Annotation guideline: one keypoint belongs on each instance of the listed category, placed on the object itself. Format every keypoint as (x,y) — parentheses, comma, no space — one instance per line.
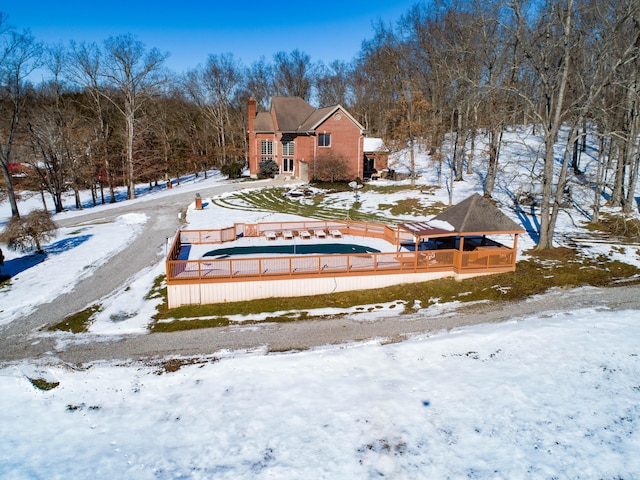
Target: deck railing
(229,234)
(482,259)
(222,270)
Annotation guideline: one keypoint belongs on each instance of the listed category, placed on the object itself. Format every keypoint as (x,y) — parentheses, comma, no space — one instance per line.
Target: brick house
(305,141)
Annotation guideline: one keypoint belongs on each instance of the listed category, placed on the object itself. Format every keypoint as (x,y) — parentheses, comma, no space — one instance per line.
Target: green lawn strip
(233,203)
(414,207)
(78,322)
(273,199)
(42,384)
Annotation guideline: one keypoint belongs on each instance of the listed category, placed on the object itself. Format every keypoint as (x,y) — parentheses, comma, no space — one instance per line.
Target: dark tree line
(446,74)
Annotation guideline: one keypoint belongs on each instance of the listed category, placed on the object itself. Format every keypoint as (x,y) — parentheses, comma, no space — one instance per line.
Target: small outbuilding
(475,227)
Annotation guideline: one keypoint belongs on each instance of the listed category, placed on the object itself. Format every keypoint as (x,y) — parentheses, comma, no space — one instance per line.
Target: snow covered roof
(430,229)
(373,144)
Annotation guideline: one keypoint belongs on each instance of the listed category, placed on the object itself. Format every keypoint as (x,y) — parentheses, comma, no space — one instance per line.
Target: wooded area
(447,73)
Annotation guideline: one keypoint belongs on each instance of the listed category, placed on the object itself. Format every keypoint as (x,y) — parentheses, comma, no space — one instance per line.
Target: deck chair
(287,235)
(336,233)
(304,234)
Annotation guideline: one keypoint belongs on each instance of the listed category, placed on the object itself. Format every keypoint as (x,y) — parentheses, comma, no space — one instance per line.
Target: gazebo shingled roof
(476,214)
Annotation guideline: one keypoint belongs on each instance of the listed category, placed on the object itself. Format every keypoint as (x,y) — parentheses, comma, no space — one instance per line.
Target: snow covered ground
(551,396)
(554,397)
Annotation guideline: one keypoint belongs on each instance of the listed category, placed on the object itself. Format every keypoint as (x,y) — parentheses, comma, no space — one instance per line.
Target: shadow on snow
(16,266)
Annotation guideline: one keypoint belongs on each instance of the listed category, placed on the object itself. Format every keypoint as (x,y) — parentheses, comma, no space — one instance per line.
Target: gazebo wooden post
(461,248)
(515,249)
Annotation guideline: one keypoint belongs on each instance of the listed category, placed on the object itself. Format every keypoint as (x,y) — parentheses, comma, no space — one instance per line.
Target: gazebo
(467,228)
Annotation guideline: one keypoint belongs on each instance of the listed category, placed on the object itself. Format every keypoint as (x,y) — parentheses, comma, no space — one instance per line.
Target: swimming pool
(304,249)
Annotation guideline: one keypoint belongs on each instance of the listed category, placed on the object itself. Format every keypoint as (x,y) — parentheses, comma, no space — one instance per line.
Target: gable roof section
(263,122)
(316,118)
(476,214)
(322,114)
(294,115)
(290,113)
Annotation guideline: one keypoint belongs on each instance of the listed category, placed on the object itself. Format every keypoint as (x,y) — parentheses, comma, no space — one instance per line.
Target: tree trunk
(10,192)
(562,177)
(131,180)
(554,110)
(495,137)
(618,181)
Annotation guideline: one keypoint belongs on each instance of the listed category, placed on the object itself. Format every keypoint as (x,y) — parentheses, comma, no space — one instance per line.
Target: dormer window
(324,139)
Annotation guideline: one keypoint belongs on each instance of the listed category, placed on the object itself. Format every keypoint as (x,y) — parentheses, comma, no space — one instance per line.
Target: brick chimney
(253,147)
(251,113)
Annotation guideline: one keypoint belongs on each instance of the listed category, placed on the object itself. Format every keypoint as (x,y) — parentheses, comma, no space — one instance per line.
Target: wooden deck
(492,259)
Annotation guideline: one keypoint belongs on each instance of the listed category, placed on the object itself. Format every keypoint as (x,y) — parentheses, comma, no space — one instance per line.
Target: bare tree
(132,75)
(332,168)
(83,68)
(292,74)
(20,54)
(259,79)
(212,89)
(547,44)
(332,84)
(31,231)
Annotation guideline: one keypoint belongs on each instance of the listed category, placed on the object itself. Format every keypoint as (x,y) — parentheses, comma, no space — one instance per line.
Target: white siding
(239,291)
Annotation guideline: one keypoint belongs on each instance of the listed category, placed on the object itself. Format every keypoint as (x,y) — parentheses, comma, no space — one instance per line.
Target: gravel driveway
(22,339)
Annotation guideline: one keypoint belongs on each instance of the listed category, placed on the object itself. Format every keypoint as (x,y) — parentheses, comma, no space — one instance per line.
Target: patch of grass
(617,225)
(193,323)
(42,384)
(274,200)
(78,322)
(333,186)
(158,289)
(175,364)
(413,206)
(387,189)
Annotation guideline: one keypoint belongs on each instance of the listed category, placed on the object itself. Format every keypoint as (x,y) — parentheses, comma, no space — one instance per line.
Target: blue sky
(191,30)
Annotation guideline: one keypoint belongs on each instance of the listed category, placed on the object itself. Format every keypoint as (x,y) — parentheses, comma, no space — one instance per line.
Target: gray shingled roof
(263,122)
(290,112)
(294,115)
(309,124)
(477,214)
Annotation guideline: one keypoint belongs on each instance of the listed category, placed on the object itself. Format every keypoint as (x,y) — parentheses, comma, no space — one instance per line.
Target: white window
(287,165)
(287,148)
(324,140)
(266,147)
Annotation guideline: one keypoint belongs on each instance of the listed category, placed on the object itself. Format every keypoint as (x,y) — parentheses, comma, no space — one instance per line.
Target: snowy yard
(555,395)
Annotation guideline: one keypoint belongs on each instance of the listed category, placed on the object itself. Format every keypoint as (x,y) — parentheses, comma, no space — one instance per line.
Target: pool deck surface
(197,252)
